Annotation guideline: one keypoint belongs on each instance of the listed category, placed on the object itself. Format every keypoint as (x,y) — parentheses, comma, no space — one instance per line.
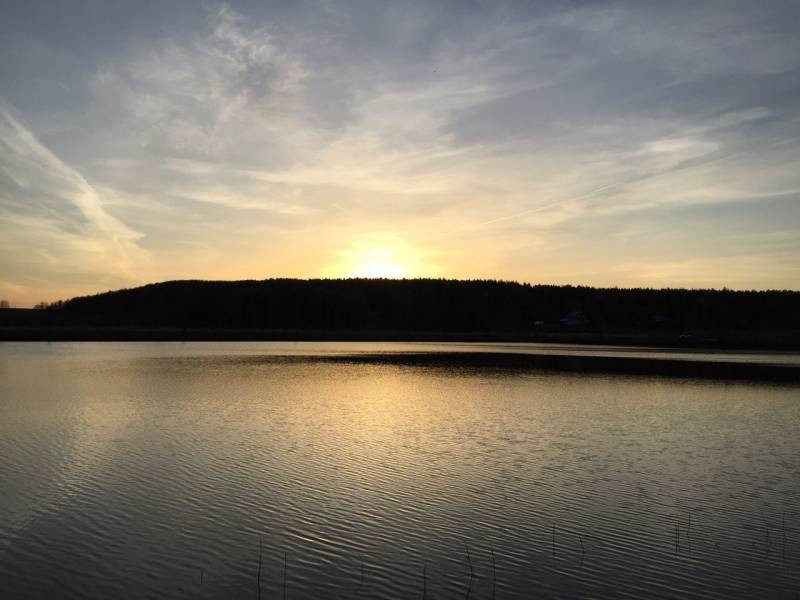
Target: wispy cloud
(54,222)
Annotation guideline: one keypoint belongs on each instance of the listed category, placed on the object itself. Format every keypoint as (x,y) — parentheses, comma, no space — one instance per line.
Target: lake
(345,470)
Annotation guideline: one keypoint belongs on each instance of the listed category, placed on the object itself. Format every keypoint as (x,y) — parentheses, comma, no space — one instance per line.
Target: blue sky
(599,143)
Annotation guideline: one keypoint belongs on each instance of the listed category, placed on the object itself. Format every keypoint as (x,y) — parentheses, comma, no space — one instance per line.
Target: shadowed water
(153,471)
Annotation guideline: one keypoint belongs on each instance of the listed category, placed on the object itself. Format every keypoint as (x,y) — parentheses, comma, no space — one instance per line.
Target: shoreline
(485,359)
(751,340)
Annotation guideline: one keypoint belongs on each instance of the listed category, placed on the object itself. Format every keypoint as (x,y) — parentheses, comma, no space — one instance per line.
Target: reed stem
(469,561)
(494,566)
(258,576)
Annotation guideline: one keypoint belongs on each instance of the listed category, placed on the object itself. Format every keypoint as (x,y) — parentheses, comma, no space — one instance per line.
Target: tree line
(436,305)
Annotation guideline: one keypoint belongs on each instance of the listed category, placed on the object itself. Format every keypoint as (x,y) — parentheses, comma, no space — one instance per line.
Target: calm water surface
(155,470)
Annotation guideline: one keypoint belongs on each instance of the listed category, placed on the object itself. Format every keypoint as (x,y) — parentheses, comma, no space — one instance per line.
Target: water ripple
(131,474)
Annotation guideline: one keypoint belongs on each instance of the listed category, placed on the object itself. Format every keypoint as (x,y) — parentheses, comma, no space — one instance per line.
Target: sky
(597,143)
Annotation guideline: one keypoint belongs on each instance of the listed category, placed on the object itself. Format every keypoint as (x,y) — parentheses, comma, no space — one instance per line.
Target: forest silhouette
(424,305)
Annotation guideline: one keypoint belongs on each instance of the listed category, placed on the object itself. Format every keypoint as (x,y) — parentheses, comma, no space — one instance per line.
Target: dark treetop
(429,305)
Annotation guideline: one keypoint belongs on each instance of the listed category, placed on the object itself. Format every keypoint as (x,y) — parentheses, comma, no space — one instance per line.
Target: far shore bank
(750,340)
(557,357)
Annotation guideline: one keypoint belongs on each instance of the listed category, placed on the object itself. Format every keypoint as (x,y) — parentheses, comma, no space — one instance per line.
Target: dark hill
(430,305)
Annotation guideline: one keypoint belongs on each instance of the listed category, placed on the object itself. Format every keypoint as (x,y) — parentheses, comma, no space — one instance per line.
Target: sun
(379,262)
(383,257)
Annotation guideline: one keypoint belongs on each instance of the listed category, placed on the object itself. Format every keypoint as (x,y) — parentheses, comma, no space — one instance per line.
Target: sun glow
(383,257)
(379,262)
